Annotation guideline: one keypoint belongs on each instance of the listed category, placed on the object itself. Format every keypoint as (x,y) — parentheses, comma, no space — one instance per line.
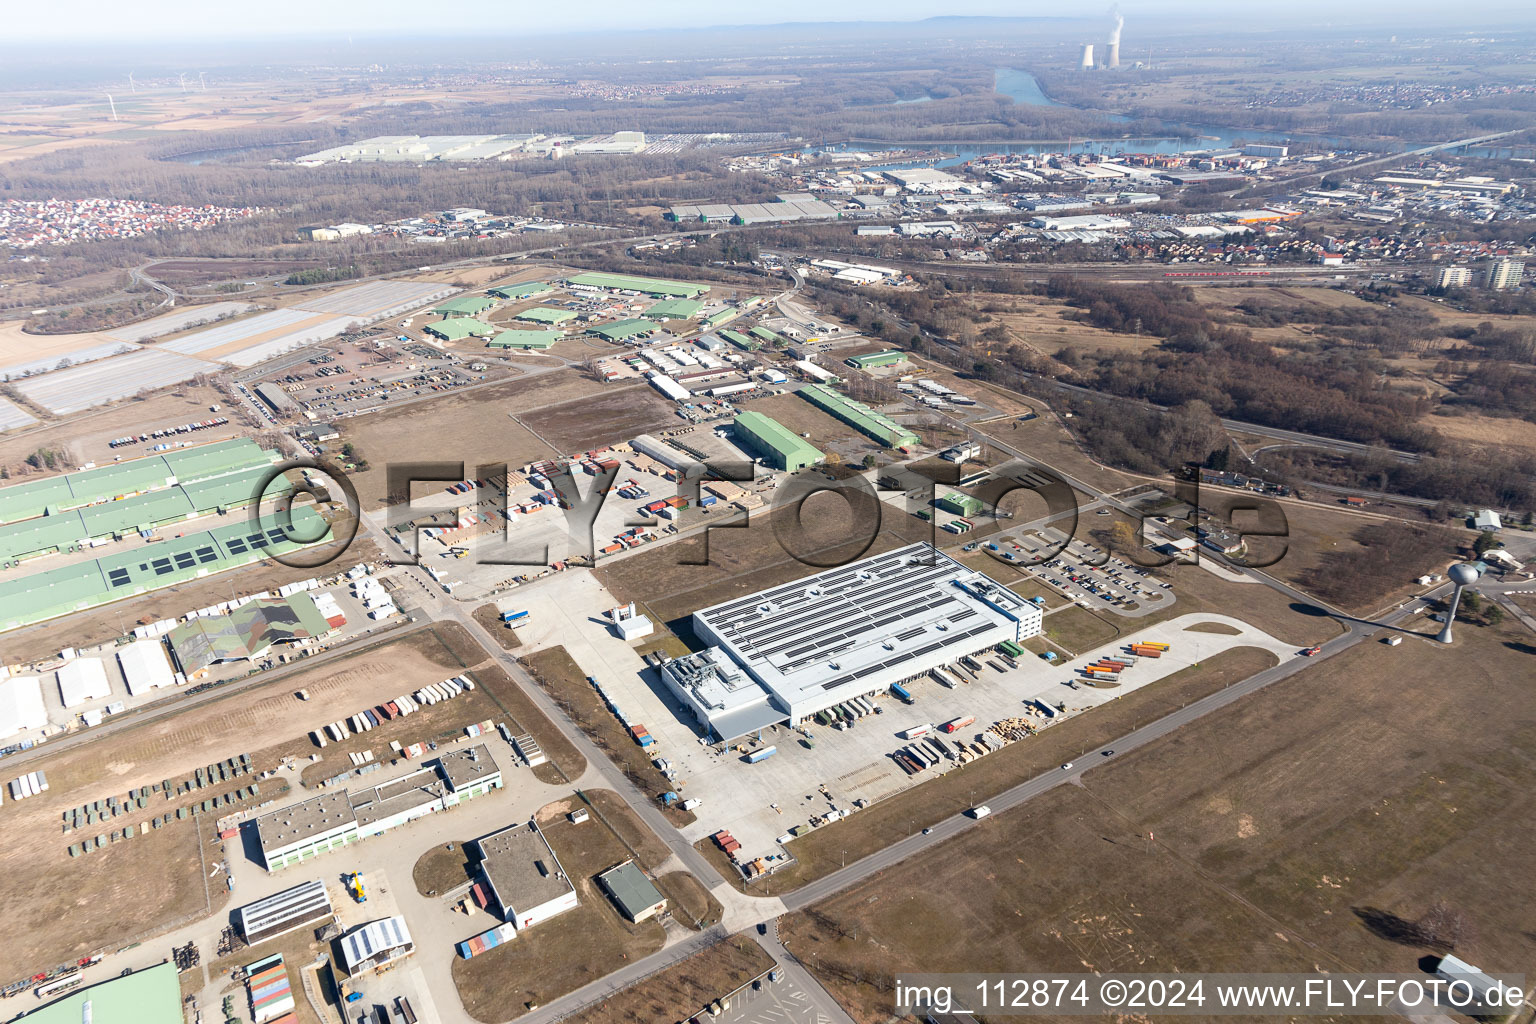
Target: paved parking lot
(780,1002)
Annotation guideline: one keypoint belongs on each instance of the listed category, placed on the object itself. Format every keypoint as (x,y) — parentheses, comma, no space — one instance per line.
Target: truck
(915,731)
(980,811)
(514,617)
(761,755)
(900,693)
(956,724)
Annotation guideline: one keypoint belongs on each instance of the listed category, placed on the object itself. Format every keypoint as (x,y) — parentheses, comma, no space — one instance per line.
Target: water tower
(1461,574)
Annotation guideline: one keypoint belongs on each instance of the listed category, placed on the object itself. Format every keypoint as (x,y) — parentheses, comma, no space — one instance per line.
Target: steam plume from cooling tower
(1112,58)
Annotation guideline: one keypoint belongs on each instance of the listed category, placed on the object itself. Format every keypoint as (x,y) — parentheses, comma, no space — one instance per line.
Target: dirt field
(83,437)
(686,988)
(476,428)
(566,952)
(617,414)
(1265,857)
(488,616)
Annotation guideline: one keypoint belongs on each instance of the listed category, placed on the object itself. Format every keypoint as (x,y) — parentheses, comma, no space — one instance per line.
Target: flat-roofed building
(303,905)
(376,945)
(295,833)
(523,876)
(332,820)
(636,896)
(844,633)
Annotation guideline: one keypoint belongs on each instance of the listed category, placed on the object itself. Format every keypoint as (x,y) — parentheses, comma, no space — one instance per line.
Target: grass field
(1292,830)
(568,951)
(683,989)
(1079,630)
(825,849)
(441,868)
(488,616)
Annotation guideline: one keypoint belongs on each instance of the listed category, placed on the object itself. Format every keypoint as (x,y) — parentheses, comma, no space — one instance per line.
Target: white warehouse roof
(859,628)
(373,938)
(145,666)
(81,680)
(21,705)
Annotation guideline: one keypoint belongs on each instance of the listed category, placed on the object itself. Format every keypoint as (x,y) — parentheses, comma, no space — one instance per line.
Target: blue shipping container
(900,691)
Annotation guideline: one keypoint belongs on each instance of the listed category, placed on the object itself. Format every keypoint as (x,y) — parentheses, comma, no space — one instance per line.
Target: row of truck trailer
(1108,669)
(28,785)
(369,719)
(842,716)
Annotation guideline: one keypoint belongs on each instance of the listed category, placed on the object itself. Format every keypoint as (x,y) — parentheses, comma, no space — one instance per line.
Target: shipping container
(900,693)
(761,755)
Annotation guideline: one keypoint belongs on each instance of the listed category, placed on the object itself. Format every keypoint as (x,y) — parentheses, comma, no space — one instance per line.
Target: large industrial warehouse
(785,654)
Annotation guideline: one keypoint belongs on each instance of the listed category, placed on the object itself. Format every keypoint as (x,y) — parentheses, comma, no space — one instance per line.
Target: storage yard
(174,748)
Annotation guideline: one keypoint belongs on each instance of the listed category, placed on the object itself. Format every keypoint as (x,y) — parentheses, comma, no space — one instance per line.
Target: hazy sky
(64,20)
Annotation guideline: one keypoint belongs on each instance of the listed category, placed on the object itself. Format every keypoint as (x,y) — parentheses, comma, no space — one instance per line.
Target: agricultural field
(618,413)
(722,968)
(1263,859)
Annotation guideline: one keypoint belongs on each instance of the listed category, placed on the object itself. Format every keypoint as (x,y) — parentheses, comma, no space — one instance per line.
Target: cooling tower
(1087,61)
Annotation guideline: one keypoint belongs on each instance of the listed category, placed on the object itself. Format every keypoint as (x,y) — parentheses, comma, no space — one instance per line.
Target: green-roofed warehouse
(135,476)
(960,504)
(859,416)
(151,996)
(64,530)
(781,447)
(526,290)
(725,316)
(771,337)
(464,305)
(623,330)
(674,309)
(890,357)
(546,315)
(644,285)
(81,585)
(526,339)
(458,328)
(741,341)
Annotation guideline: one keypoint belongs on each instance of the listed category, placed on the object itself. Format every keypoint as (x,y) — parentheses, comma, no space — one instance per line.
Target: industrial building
(82,680)
(651,286)
(304,905)
(246,633)
(782,655)
(332,820)
(150,996)
(636,896)
(526,339)
(545,315)
(624,330)
(779,446)
(527,290)
(464,305)
(674,309)
(859,416)
(522,876)
(1087,222)
(375,946)
(21,705)
(891,357)
(457,328)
